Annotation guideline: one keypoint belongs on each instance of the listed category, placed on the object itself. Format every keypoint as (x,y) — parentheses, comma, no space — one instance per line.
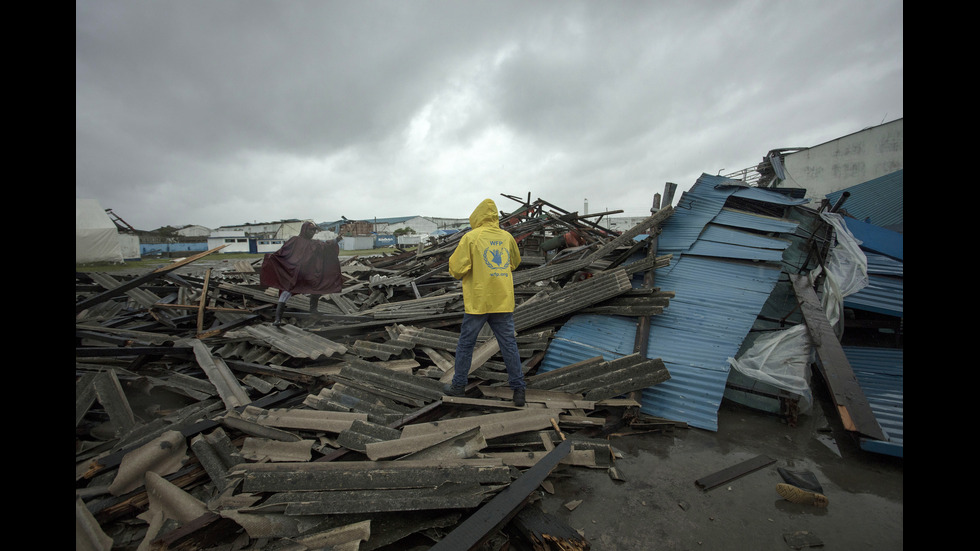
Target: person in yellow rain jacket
(484,259)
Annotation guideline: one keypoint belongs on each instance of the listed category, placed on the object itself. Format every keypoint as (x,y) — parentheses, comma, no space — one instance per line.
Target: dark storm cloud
(220,112)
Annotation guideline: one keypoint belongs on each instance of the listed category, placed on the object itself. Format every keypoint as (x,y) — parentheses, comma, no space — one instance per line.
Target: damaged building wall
(846,161)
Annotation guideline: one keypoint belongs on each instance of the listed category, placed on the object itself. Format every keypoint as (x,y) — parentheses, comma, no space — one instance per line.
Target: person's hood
(308,225)
(485,214)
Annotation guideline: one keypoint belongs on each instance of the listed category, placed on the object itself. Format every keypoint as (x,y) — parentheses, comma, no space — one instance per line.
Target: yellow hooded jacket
(484,260)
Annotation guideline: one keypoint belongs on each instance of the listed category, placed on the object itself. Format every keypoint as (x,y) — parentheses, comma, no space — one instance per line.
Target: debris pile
(199,424)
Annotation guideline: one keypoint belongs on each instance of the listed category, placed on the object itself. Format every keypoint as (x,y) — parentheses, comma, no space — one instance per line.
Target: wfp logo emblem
(496,259)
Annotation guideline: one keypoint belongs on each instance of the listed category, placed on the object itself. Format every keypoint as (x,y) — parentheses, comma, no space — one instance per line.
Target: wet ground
(659,506)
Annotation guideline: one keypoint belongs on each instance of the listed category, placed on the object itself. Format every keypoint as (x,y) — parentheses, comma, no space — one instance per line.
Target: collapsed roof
(615,329)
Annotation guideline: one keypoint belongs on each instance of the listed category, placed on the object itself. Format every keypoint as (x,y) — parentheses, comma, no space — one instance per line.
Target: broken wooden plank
(137,281)
(523,460)
(852,405)
(450,495)
(546,531)
(204,301)
(361,475)
(733,472)
(476,529)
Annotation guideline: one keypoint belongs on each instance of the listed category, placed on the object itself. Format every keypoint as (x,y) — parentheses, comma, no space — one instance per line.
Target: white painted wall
(194,231)
(268,245)
(235,243)
(420,224)
(357,243)
(846,161)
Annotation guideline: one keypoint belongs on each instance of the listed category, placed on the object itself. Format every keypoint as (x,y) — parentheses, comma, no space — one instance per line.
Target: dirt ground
(659,506)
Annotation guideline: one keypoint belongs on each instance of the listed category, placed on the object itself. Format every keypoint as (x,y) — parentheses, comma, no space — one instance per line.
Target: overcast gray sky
(232,111)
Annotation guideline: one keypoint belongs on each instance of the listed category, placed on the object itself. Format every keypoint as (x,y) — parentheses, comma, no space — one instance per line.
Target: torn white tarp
(781,359)
(846,270)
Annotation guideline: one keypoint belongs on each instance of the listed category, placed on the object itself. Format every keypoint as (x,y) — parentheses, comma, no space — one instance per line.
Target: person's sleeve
(460,262)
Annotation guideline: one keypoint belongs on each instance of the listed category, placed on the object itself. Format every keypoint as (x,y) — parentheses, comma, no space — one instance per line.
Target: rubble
(332,430)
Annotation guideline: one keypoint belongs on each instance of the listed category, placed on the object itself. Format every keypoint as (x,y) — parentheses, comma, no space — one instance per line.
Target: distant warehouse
(236,241)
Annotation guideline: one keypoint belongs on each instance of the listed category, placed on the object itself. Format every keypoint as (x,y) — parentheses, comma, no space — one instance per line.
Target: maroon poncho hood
(303,266)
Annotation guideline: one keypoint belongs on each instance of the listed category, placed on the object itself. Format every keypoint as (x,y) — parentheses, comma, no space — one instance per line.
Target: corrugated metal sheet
(291,340)
(728,250)
(878,201)
(715,305)
(880,372)
(764,195)
(695,210)
(716,302)
(728,217)
(877,239)
(721,234)
(572,297)
(885,291)
(884,295)
(882,265)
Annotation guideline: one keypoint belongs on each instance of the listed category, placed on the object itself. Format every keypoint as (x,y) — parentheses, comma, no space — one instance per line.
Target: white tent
(96,236)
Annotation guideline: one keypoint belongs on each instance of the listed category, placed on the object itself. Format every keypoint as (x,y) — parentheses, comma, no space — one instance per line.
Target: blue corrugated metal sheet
(721,234)
(880,372)
(883,265)
(696,208)
(717,299)
(750,221)
(766,196)
(883,295)
(877,239)
(878,201)
(728,250)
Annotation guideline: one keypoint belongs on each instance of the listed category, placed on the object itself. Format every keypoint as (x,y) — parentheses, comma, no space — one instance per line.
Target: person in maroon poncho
(303,266)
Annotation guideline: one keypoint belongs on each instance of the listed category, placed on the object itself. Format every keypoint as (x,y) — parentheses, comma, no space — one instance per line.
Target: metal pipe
(840,201)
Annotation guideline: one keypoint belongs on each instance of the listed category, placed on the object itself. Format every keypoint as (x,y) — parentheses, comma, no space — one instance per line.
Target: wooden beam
(845,390)
(733,472)
(203,303)
(137,281)
(485,522)
(548,531)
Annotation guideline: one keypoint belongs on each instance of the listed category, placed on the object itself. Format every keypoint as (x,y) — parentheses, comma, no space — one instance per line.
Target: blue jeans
(502,325)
